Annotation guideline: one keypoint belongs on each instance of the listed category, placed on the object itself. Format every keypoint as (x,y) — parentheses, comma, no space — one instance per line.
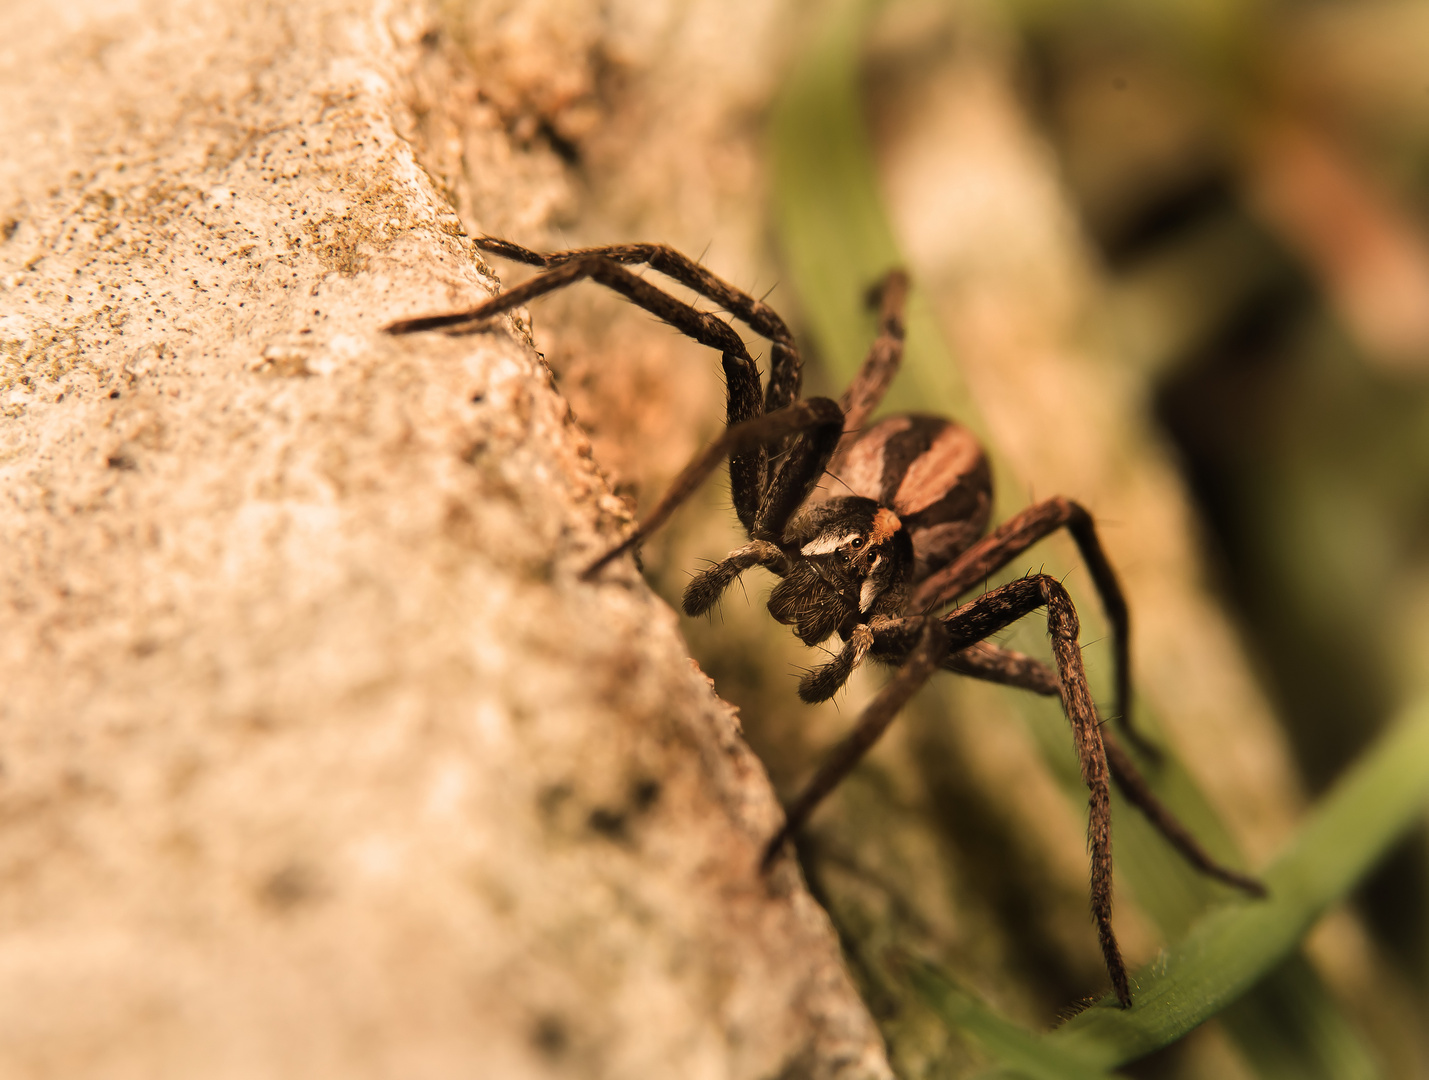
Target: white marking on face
(827,543)
(869,593)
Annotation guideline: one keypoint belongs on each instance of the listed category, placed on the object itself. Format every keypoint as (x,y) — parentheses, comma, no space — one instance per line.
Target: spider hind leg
(925,644)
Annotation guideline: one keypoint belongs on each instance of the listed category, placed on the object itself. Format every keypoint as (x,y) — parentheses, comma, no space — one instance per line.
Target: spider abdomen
(932,473)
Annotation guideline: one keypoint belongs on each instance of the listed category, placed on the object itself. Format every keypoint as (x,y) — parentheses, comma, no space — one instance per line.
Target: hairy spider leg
(996,665)
(785,372)
(972,623)
(1138,792)
(1016,535)
(748,461)
(993,664)
(817,418)
(884,358)
(811,428)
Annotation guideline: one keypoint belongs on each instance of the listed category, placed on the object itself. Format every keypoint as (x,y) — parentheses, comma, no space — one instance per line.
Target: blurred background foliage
(1172,260)
(1255,178)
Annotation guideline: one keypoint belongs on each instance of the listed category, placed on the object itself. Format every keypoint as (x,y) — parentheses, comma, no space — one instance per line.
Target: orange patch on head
(885,524)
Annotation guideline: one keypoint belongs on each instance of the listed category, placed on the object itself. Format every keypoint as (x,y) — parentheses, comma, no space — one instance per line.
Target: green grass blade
(844,241)
(835,237)
(1237,946)
(1015,1049)
(1233,948)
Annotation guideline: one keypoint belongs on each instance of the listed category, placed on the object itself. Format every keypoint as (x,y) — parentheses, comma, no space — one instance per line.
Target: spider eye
(856,543)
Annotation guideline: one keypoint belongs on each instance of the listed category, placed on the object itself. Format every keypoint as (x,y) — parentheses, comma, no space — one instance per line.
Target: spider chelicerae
(877,557)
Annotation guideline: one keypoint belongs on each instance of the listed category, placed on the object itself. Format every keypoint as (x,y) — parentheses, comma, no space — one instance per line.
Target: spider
(878,563)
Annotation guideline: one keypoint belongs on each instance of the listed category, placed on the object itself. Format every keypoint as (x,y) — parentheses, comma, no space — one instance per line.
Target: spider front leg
(924,651)
(814,425)
(785,365)
(996,609)
(1015,536)
(748,460)
(805,433)
(748,433)
(994,664)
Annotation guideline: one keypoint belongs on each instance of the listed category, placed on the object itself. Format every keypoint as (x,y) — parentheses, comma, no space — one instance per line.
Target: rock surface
(318,758)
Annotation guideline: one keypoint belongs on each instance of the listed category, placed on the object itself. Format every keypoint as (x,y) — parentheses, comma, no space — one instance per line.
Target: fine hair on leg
(1137,792)
(980,618)
(807,415)
(755,314)
(1016,535)
(699,325)
(866,390)
(993,664)
(785,372)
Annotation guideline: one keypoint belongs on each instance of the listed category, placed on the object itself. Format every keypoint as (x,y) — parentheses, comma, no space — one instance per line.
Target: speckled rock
(318,757)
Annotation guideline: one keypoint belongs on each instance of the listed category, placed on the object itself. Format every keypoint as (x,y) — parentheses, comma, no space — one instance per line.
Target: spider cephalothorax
(851,562)
(880,555)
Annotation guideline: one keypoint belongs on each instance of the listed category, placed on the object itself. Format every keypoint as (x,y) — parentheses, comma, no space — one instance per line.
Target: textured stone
(319,760)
